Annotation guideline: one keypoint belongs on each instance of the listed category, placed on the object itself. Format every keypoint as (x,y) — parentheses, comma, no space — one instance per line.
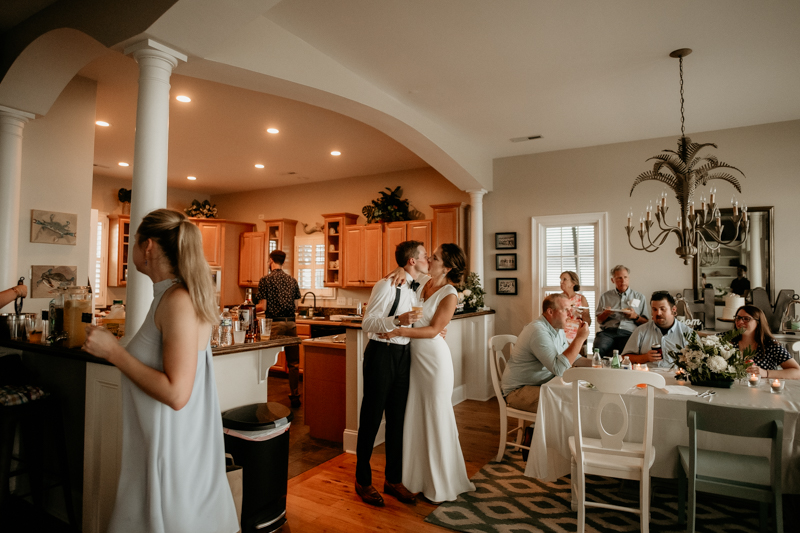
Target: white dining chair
(498,364)
(611,455)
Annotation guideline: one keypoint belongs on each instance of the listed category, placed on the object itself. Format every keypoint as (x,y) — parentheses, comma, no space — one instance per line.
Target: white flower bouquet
(471,294)
(713,358)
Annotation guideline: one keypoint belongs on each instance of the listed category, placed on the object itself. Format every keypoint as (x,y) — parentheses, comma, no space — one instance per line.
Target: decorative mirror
(719,268)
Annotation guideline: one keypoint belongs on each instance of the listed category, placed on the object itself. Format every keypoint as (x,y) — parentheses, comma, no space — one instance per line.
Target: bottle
(597,361)
(225,328)
(626,363)
(615,359)
(247,317)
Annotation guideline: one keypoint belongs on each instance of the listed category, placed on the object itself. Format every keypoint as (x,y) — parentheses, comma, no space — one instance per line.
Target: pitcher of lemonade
(77,314)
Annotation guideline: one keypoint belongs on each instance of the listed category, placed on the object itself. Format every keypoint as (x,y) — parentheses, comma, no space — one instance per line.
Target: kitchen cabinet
(221,240)
(252,258)
(119,227)
(334,255)
(304,332)
(325,388)
(449,225)
(397,232)
(363,255)
(280,235)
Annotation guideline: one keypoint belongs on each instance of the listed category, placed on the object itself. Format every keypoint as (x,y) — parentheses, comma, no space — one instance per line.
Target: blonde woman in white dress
(433,463)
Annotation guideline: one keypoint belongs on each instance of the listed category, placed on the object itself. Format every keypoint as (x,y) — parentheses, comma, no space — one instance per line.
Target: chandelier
(697,230)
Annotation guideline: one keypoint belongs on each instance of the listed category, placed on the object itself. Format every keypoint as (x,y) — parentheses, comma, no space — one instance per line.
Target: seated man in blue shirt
(663,330)
(541,353)
(619,311)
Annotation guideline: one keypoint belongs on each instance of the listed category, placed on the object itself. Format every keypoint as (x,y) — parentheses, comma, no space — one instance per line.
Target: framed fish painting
(49,227)
(45,278)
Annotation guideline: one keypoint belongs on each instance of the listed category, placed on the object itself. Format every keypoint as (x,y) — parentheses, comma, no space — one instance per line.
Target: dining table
(550,457)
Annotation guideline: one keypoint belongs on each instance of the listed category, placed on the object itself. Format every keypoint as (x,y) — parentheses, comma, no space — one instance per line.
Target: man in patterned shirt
(276,295)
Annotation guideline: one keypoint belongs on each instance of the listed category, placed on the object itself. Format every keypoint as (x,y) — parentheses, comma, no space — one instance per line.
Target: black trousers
(386,371)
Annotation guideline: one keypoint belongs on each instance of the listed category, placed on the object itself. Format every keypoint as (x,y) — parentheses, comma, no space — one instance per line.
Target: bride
(433,463)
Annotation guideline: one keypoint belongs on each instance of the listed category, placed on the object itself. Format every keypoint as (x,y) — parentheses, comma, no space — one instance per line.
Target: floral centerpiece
(713,360)
(201,210)
(470,294)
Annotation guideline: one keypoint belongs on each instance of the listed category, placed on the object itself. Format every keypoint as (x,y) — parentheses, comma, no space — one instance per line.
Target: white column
(11,123)
(149,187)
(476,233)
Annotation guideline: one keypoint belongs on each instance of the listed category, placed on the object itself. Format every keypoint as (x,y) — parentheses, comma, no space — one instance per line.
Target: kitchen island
(89,393)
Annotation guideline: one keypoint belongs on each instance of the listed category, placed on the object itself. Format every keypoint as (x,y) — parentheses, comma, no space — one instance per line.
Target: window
(570,242)
(310,266)
(98,257)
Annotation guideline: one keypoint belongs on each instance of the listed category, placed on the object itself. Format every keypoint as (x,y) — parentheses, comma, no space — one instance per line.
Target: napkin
(679,389)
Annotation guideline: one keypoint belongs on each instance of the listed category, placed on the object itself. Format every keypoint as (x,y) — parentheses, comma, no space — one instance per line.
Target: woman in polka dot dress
(771,358)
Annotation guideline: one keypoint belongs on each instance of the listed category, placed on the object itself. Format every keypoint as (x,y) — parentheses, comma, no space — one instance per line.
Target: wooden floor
(323,499)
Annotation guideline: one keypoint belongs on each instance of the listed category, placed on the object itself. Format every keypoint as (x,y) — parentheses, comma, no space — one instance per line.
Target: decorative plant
(388,208)
(713,358)
(124,195)
(471,293)
(201,210)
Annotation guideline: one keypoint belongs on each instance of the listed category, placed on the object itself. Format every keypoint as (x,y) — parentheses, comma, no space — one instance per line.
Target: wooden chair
(611,455)
(742,476)
(498,364)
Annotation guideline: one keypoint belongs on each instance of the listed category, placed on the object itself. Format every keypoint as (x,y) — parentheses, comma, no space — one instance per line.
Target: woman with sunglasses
(772,359)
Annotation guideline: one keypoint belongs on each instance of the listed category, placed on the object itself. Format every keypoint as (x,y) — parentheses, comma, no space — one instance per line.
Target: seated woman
(772,359)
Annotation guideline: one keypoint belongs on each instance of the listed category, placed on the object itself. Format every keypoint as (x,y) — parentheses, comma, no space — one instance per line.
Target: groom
(386,370)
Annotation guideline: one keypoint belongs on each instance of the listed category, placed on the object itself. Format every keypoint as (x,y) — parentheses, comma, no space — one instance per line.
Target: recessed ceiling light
(336,152)
(123,164)
(183,98)
(102,123)
(259,165)
(191,178)
(272,130)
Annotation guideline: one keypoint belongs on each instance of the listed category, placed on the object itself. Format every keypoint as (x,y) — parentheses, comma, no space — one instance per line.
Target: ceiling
(577,73)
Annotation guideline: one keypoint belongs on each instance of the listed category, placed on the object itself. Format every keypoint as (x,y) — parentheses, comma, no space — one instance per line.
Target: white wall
(57,157)
(599,179)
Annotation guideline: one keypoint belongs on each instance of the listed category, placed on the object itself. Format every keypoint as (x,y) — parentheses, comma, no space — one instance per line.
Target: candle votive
(753,380)
(776,386)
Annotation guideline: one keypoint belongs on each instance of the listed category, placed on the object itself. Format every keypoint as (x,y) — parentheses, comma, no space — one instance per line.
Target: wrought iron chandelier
(698,230)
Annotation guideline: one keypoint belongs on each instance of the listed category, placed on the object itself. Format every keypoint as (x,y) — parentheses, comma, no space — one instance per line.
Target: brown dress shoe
(370,495)
(399,491)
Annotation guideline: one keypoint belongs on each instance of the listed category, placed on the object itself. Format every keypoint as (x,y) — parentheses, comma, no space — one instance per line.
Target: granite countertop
(249,347)
(350,324)
(330,341)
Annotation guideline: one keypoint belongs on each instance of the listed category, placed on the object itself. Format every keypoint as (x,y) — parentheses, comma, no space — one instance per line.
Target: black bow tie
(414,285)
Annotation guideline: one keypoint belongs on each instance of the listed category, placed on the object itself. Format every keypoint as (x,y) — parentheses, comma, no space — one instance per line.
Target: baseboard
(459,394)
(350,438)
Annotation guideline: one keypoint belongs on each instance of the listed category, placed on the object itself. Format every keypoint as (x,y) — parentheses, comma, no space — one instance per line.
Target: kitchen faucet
(303,299)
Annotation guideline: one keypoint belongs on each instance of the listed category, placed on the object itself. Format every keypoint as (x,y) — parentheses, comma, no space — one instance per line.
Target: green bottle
(615,360)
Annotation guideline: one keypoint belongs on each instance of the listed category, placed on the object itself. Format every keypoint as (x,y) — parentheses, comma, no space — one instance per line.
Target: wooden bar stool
(34,410)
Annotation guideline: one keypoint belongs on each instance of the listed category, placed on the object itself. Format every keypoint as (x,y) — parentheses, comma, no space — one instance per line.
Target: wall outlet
(260,217)
(341,300)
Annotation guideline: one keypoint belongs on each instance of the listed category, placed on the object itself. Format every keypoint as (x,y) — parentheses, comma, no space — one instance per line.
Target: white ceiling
(578,73)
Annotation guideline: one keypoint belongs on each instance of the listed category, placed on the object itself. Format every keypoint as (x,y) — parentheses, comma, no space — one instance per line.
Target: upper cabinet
(363,246)
(255,247)
(212,240)
(334,256)
(449,224)
(119,227)
(397,232)
(280,235)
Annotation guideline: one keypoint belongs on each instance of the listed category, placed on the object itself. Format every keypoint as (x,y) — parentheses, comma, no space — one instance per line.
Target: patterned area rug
(505,501)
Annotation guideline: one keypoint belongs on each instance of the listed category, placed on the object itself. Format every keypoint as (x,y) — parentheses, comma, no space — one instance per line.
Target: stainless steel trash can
(257,436)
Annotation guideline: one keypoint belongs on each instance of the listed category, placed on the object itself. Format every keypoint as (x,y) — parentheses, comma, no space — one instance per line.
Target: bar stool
(33,409)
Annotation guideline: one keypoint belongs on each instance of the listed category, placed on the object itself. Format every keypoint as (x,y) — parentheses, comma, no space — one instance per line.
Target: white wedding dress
(433,463)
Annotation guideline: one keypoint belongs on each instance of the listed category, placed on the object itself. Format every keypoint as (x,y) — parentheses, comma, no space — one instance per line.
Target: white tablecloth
(550,457)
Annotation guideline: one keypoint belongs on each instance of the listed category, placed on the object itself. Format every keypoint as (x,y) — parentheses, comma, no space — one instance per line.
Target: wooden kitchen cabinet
(252,258)
(221,239)
(119,227)
(304,332)
(397,232)
(363,255)
(280,234)
(449,222)
(334,241)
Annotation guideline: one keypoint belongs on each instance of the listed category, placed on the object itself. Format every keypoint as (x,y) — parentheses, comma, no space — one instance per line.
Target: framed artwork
(505,241)
(506,261)
(507,286)
(50,227)
(44,278)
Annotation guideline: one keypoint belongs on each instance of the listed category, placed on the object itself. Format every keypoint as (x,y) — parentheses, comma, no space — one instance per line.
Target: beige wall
(599,178)
(57,157)
(105,200)
(307,203)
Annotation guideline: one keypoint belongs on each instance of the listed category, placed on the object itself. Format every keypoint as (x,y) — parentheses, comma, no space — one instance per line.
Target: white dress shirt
(377,319)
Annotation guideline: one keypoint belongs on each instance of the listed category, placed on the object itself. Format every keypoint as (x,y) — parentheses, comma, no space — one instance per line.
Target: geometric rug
(506,501)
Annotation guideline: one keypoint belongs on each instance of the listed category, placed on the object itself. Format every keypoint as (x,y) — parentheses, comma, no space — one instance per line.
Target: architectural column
(476,233)
(149,187)
(11,123)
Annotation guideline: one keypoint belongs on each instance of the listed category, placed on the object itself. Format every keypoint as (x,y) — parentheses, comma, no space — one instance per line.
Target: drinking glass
(264,328)
(238,337)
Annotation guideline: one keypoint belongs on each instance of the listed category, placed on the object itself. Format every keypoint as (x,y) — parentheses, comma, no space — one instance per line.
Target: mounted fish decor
(49,227)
